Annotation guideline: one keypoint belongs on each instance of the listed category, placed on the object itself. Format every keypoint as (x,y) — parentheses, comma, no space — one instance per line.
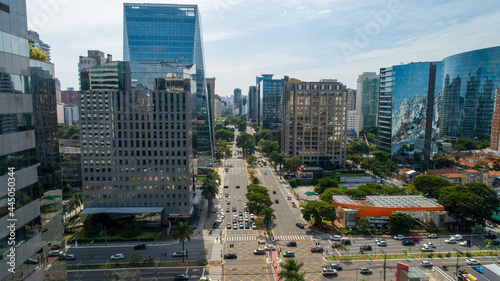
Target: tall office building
(71,114)
(495,124)
(244,104)
(406,122)
(85,63)
(34,38)
(367,100)
(70,97)
(28,156)
(136,128)
(315,122)
(352,115)
(237,102)
(253,105)
(218,107)
(271,92)
(211,104)
(470,81)
(173,35)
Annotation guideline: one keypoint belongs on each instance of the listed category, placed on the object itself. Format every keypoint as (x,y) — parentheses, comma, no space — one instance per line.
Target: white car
(399,237)
(382,243)
(117,256)
(426,249)
(463,243)
(252,216)
(432,235)
(270,248)
(427,264)
(456,237)
(336,237)
(450,241)
(430,245)
(329,271)
(472,262)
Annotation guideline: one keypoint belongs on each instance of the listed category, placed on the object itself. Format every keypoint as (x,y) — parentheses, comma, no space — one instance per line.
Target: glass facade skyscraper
(271,91)
(466,106)
(171,33)
(367,100)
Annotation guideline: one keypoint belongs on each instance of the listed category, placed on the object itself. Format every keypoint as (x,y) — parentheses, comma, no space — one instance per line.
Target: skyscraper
(271,91)
(495,124)
(470,81)
(367,100)
(253,105)
(29,156)
(237,102)
(93,58)
(34,38)
(171,33)
(406,122)
(315,122)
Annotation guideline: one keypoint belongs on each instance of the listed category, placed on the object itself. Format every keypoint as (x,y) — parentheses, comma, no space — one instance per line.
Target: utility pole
(457,264)
(385,260)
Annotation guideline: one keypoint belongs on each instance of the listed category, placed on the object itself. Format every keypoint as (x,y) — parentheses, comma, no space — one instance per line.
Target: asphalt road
(145,273)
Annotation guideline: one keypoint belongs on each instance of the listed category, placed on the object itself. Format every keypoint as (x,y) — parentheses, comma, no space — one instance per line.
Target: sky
(304,39)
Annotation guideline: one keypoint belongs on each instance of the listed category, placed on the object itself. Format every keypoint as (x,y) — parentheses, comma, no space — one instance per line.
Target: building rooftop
(441,171)
(453,175)
(472,171)
(390,201)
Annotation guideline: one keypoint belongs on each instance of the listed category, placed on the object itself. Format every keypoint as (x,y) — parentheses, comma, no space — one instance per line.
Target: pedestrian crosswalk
(278,237)
(292,237)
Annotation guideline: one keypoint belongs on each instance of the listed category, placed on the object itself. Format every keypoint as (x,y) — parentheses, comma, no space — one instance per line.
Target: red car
(337,244)
(414,239)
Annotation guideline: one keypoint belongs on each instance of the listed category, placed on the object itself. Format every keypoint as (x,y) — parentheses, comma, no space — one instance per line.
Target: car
(230,256)
(67,257)
(31,261)
(291,244)
(379,239)
(345,241)
(247,225)
(429,245)
(399,237)
(215,225)
(234,209)
(365,270)
(252,216)
(490,235)
(227,195)
(489,224)
(328,271)
(254,226)
(426,264)
(227,210)
(235,226)
(317,250)
(242,225)
(450,241)
(426,249)
(432,235)
(270,248)
(335,266)
(246,219)
(117,256)
(407,243)
(182,277)
(288,254)
(274,191)
(265,173)
(463,243)
(225,186)
(496,242)
(414,239)
(336,244)
(336,237)
(228,202)
(228,225)
(179,254)
(473,262)
(456,237)
(277,201)
(365,248)
(219,220)
(237,186)
(140,247)
(240,219)
(55,253)
(300,225)
(259,252)
(241,213)
(382,243)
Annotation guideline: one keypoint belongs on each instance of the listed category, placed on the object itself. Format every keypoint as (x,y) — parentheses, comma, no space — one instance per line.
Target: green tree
(269,216)
(246,142)
(278,159)
(182,232)
(429,185)
(444,162)
(257,202)
(327,194)
(269,146)
(401,223)
(210,188)
(319,211)
(358,147)
(289,269)
(242,125)
(251,160)
(136,257)
(291,164)
(324,183)
(363,224)
(37,54)
(223,134)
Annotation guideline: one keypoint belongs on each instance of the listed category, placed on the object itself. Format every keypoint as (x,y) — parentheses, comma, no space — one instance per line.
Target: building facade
(34,39)
(142,43)
(406,110)
(315,122)
(85,63)
(367,100)
(469,83)
(237,102)
(28,155)
(253,105)
(136,139)
(70,97)
(71,115)
(495,124)
(271,91)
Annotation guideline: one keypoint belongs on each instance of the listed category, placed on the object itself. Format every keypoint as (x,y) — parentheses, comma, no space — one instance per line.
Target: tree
(444,162)
(289,268)
(242,125)
(324,183)
(182,232)
(37,54)
(257,202)
(269,146)
(251,159)
(223,134)
(210,187)
(246,142)
(269,215)
(136,257)
(357,147)
(277,158)
(430,185)
(401,223)
(363,224)
(327,194)
(291,164)
(319,211)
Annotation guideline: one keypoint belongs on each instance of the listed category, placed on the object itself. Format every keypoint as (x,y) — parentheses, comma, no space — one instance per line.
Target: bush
(439,255)
(448,255)
(202,262)
(468,254)
(113,231)
(300,182)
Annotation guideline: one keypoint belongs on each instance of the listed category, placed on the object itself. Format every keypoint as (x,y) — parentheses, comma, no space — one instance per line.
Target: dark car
(274,191)
(227,195)
(277,201)
(288,254)
(317,250)
(247,225)
(366,248)
(299,225)
(230,256)
(140,247)
(291,244)
(407,243)
(490,235)
(335,266)
(496,242)
(237,186)
(181,277)
(225,186)
(345,241)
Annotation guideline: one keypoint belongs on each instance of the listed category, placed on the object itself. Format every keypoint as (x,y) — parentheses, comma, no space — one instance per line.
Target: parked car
(473,262)
(67,257)
(259,251)
(432,235)
(230,256)
(399,237)
(291,244)
(228,225)
(55,253)
(225,186)
(407,243)
(328,271)
(335,237)
(300,225)
(227,195)
(365,270)
(288,254)
(117,256)
(179,254)
(365,248)
(427,264)
(450,241)
(274,191)
(490,235)
(247,225)
(335,266)
(254,226)
(317,250)
(181,277)
(426,249)
(237,186)
(140,247)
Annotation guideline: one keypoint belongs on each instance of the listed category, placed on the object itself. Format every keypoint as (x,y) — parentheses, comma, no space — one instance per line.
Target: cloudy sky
(304,39)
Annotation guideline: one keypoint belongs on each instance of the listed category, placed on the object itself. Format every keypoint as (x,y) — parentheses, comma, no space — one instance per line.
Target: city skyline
(340,39)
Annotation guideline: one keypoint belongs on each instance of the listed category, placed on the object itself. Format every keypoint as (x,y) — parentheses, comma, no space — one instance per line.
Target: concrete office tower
(71,115)
(211,104)
(181,43)
(253,105)
(28,155)
(34,39)
(315,122)
(495,124)
(218,107)
(136,128)
(469,83)
(406,122)
(70,97)
(237,102)
(244,104)
(351,99)
(352,116)
(93,58)
(367,100)
(271,92)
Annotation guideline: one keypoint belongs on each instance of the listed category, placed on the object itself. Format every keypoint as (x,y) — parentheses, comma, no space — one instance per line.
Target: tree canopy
(429,185)
(246,142)
(291,164)
(223,134)
(380,164)
(358,147)
(324,183)
(401,223)
(319,211)
(326,195)
(37,54)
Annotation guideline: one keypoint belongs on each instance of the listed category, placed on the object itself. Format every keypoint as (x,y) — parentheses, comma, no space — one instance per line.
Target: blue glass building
(271,91)
(171,33)
(466,106)
(406,103)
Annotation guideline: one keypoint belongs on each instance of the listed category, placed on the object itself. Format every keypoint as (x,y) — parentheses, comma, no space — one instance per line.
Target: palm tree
(209,190)
(290,269)
(268,215)
(182,232)
(295,276)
